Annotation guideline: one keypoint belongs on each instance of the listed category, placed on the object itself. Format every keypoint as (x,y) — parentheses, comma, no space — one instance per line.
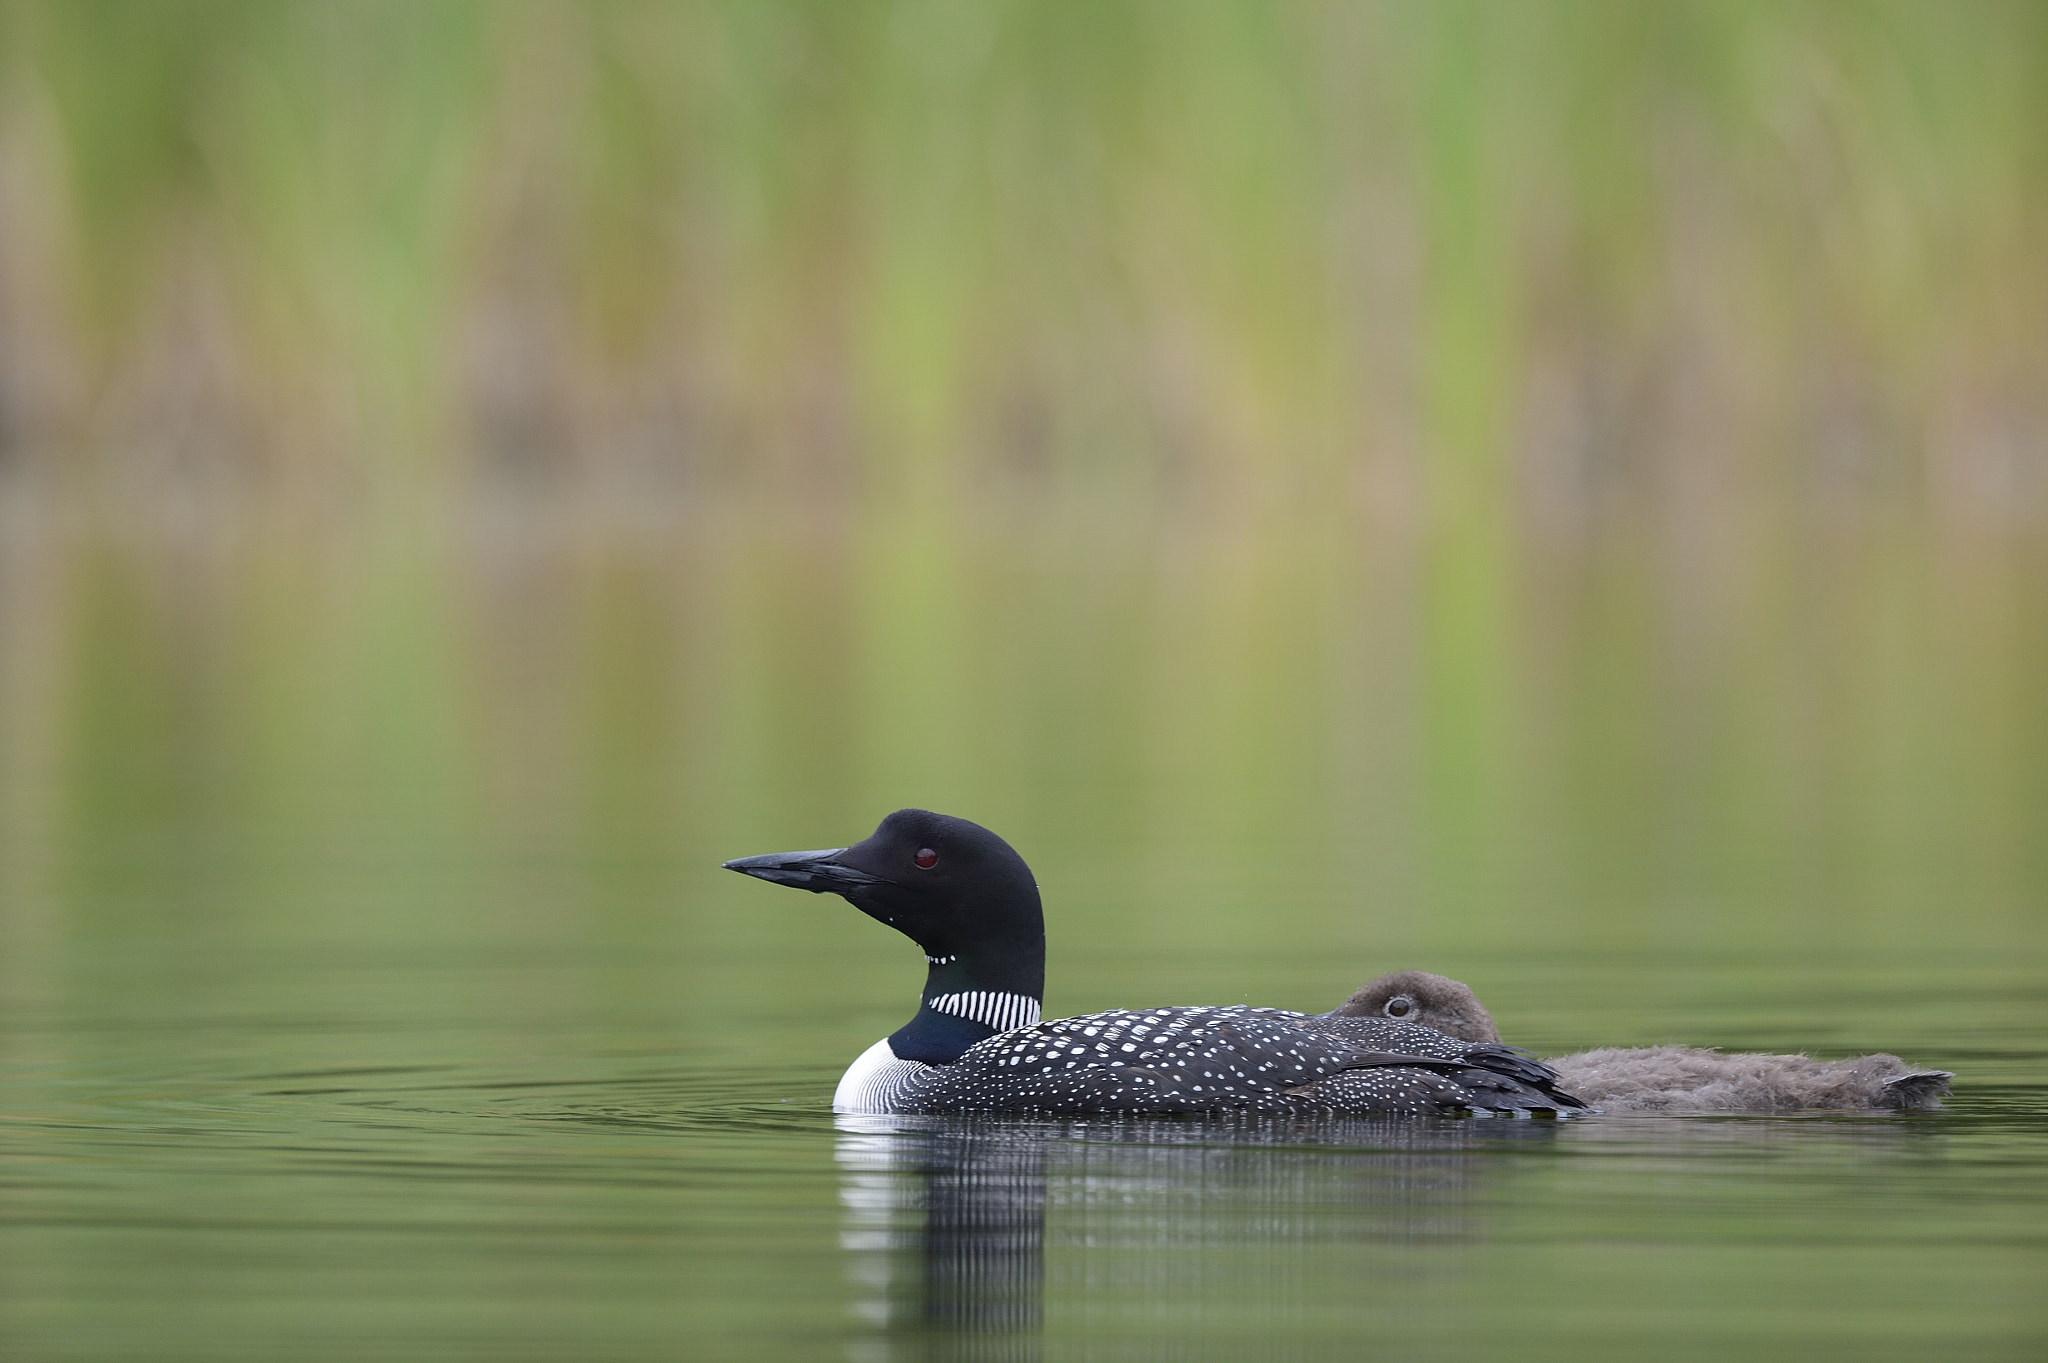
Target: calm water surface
(368,987)
(464,1157)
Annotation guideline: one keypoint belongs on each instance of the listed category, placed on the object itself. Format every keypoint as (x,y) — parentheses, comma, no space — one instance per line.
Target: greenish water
(368,986)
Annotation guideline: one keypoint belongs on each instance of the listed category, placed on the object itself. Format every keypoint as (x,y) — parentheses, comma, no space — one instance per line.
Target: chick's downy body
(1666,1079)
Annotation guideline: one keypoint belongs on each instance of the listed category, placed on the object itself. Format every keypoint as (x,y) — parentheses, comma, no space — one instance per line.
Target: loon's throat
(1013,963)
(1002,993)
(959,1008)
(993,1009)
(984,969)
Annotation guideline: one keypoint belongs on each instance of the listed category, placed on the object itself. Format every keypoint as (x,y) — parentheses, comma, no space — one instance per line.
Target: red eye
(926,858)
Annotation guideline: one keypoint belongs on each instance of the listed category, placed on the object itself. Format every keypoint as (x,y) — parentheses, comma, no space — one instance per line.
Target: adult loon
(977,1043)
(1666,1079)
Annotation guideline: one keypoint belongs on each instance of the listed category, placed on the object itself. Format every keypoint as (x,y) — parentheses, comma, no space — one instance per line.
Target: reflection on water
(1015,1239)
(946,1218)
(945,1231)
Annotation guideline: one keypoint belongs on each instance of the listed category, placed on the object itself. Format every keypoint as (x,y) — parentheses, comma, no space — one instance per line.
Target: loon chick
(1665,1078)
(977,1043)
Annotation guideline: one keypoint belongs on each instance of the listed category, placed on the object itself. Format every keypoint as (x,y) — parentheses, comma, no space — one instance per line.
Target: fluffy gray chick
(1665,1079)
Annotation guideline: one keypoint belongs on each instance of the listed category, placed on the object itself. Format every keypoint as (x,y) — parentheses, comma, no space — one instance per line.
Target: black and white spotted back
(1243,1059)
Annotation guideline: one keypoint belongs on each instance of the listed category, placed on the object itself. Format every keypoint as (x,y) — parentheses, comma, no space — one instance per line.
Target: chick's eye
(1399,1006)
(926,858)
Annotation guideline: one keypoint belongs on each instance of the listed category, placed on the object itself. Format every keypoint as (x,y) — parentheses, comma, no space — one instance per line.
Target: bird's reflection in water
(946,1218)
(945,1229)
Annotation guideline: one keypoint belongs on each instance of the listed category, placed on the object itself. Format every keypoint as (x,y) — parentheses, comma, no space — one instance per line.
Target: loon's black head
(949,885)
(958,891)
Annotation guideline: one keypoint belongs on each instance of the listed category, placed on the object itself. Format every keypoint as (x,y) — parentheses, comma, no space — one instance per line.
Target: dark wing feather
(1508,1062)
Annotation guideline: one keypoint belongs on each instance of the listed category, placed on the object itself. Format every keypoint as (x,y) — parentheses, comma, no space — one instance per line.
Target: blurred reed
(1458,266)
(1530,474)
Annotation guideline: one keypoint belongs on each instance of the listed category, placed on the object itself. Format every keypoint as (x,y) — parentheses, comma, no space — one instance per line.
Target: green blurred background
(1555,494)
(1593,445)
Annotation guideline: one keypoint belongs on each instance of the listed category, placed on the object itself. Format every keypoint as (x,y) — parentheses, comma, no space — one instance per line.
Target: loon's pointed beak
(813,871)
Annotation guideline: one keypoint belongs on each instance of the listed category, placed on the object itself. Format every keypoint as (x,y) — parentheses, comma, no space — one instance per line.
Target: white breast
(877,1082)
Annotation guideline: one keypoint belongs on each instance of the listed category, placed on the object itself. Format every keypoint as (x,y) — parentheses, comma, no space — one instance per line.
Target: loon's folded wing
(1368,1037)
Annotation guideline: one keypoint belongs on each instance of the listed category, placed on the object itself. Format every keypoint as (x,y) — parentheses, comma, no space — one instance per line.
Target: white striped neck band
(1004,1012)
